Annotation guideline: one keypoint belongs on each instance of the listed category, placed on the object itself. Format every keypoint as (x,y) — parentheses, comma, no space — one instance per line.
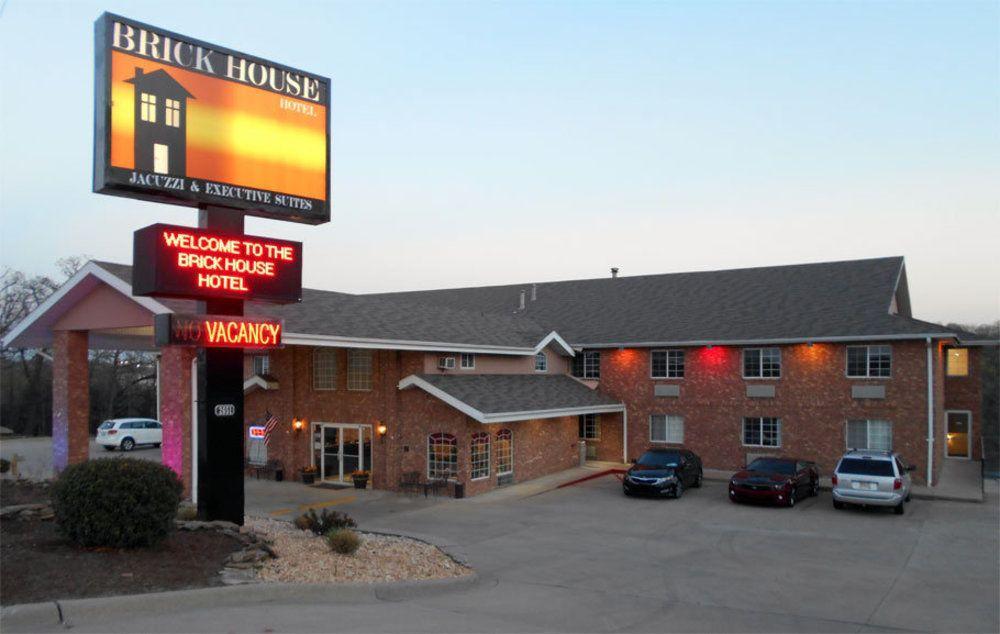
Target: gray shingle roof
(830,299)
(506,395)
(368,317)
(825,300)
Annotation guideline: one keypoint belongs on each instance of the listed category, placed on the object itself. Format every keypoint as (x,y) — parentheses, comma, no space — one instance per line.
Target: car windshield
(108,424)
(866,466)
(660,459)
(770,465)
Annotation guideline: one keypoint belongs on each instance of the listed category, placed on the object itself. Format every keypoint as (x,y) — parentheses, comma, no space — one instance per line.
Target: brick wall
(812,398)
(540,447)
(966,393)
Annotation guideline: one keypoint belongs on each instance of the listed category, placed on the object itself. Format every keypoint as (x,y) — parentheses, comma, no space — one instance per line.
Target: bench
(411,480)
(270,467)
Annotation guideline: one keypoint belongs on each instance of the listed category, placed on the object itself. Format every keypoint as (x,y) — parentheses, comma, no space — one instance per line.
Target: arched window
(480,455)
(442,456)
(505,452)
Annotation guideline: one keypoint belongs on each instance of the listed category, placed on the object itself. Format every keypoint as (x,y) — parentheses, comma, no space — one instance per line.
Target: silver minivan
(871,478)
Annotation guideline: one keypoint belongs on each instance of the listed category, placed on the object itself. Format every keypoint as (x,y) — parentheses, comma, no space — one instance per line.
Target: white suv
(126,433)
(871,478)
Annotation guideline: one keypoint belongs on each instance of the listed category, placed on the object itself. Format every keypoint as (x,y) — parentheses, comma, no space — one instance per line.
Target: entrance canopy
(502,398)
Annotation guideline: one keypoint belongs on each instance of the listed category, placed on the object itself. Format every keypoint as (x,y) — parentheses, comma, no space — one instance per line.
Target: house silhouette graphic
(160,123)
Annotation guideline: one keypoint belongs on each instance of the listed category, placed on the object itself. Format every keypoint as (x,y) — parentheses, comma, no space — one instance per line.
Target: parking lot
(586,558)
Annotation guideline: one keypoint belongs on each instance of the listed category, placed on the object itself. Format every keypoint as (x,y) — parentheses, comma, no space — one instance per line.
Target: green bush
(118,502)
(343,541)
(324,522)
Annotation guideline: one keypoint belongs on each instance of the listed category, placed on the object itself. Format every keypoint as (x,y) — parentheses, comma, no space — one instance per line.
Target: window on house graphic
(173,113)
(148,112)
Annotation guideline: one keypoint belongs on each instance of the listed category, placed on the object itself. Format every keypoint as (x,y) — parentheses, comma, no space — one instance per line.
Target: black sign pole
(220,401)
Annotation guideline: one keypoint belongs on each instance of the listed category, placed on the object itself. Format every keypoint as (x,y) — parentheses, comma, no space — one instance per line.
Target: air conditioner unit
(446,363)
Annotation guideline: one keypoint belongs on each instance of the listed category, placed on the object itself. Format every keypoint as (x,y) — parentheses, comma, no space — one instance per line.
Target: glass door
(330,469)
(959,429)
(351,456)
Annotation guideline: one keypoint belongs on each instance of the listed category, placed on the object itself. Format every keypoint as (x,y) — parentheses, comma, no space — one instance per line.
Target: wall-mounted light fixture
(381,429)
(298,424)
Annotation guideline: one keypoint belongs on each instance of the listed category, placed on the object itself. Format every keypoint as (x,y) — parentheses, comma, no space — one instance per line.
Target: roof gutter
(744,342)
(306,339)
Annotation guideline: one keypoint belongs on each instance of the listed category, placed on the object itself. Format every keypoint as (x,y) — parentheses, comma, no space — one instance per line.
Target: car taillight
(897,484)
(112,432)
(833,479)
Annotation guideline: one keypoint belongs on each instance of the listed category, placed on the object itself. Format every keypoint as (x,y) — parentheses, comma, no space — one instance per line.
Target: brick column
(175,410)
(70,398)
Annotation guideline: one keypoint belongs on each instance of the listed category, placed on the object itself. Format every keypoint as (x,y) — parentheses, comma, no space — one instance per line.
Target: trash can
(459,490)
(279,475)
(583,453)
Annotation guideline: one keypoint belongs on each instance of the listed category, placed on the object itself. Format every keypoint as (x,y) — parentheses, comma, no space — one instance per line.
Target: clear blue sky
(478,143)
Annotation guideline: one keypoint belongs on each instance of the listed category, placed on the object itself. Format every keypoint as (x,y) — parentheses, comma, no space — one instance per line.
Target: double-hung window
(260,364)
(666,428)
(359,370)
(761,431)
(173,113)
(875,435)
(761,363)
(468,361)
(667,364)
(587,365)
(957,363)
(324,369)
(590,427)
(869,361)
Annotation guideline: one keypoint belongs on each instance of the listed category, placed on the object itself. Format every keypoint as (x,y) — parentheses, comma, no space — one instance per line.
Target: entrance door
(959,434)
(330,467)
(161,158)
(345,449)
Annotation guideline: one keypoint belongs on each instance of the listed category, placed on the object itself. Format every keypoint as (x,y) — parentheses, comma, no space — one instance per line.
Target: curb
(60,614)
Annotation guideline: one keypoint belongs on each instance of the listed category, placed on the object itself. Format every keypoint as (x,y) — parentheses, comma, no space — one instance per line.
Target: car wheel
(697,480)
(128,444)
(899,509)
(156,445)
(792,498)
(814,489)
(627,493)
(907,497)
(838,505)
(109,447)
(678,490)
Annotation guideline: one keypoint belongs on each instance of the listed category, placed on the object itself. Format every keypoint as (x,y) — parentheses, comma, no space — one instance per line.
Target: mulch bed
(39,565)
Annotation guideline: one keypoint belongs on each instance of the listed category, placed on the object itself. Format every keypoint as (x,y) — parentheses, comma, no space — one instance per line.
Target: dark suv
(663,472)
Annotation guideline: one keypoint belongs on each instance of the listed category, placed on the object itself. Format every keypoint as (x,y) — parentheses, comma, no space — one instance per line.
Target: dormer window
(148,112)
(173,113)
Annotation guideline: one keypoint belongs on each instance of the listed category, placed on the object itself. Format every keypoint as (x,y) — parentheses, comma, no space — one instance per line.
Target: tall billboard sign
(182,121)
(185,122)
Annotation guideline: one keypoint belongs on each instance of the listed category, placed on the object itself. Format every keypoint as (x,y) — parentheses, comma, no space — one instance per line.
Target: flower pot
(360,483)
(308,477)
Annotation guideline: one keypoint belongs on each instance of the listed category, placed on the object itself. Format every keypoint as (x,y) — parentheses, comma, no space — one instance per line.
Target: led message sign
(217,331)
(182,262)
(257,432)
(182,121)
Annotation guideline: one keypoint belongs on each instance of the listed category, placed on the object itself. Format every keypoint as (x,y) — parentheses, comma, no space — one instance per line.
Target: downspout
(625,435)
(930,413)
(194,430)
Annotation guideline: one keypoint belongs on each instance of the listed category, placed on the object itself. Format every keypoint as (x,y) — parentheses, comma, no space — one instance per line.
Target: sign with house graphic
(183,121)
